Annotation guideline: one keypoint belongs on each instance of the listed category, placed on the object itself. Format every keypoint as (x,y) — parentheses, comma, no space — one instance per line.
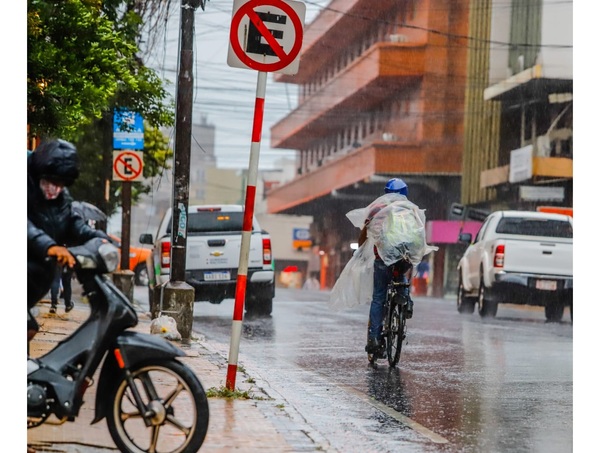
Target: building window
(525,34)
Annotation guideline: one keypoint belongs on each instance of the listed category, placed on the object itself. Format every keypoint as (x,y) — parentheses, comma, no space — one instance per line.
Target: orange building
(381,94)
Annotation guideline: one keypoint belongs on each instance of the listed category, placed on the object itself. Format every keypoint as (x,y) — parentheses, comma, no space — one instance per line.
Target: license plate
(546,285)
(217,276)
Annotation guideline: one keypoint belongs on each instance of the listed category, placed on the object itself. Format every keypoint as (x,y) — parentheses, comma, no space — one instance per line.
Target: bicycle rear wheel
(396,332)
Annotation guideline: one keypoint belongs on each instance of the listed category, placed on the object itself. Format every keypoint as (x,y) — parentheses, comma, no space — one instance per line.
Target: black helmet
(396,185)
(55,160)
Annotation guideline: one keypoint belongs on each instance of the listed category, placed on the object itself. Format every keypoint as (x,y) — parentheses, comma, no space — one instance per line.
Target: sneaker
(372,346)
(52,309)
(69,306)
(409,309)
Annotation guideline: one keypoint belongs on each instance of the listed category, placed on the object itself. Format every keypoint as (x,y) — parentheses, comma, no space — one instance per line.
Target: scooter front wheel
(175,419)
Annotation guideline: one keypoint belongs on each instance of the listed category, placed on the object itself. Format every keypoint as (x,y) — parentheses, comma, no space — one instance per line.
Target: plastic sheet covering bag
(397,227)
(355,284)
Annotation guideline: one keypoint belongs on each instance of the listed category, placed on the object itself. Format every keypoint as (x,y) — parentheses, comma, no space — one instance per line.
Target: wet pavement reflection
(463,384)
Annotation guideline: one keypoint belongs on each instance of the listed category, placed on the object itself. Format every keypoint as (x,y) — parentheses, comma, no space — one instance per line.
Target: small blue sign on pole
(301,238)
(128,130)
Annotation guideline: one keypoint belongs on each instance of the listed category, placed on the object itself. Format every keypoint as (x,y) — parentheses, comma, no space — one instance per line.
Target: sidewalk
(245,425)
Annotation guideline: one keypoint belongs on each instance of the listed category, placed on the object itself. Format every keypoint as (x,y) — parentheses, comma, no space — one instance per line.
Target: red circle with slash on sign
(125,170)
(285,59)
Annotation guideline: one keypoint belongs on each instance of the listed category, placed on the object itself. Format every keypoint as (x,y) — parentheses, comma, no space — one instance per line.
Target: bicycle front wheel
(396,332)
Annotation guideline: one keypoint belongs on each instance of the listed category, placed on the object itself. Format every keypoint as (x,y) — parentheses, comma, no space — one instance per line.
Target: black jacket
(52,222)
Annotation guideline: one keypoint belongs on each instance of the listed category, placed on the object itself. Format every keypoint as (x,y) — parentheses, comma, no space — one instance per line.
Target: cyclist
(382,273)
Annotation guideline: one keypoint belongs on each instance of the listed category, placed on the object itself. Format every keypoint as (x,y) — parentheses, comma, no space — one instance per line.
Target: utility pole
(178,297)
(125,223)
(183,140)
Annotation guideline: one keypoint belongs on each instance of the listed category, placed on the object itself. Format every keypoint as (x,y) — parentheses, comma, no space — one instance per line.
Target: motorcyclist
(51,223)
(382,274)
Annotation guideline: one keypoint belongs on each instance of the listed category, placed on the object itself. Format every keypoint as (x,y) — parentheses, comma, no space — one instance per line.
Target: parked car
(137,260)
(518,257)
(213,255)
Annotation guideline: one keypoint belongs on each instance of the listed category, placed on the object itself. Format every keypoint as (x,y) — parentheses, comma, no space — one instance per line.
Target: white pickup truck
(213,253)
(518,257)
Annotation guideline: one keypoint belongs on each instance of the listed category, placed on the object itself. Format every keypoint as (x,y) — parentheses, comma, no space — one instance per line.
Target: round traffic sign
(128,166)
(285,58)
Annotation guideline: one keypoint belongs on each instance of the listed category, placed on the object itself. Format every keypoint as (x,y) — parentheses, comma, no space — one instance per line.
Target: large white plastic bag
(354,286)
(396,221)
(166,327)
(358,216)
(398,230)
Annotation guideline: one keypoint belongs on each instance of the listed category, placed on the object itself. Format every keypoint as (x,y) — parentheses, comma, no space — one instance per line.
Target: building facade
(381,94)
(519,108)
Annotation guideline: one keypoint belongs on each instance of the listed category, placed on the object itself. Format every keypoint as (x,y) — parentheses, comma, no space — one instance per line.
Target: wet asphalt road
(463,384)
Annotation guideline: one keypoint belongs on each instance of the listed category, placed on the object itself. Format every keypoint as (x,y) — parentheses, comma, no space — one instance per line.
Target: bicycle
(395,307)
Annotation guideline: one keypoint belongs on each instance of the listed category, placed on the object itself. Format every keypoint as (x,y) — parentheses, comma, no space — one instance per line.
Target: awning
(446,231)
(526,85)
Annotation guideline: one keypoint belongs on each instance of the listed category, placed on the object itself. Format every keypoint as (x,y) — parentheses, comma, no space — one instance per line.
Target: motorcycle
(146,395)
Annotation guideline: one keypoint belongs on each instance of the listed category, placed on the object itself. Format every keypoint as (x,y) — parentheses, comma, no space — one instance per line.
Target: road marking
(396,415)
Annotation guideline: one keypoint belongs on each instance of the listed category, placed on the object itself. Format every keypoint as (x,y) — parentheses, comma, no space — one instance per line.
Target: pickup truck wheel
(141,275)
(464,304)
(259,306)
(571,311)
(260,303)
(487,308)
(555,310)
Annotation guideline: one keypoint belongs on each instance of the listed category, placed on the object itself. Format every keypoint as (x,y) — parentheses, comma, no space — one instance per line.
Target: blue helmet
(396,185)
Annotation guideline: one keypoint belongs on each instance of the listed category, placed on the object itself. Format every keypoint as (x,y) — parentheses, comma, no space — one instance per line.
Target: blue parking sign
(128,130)
(301,238)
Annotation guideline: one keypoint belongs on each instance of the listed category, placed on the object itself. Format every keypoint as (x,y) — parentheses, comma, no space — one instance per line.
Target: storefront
(442,280)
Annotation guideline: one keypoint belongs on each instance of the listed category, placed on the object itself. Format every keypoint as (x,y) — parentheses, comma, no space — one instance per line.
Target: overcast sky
(223,94)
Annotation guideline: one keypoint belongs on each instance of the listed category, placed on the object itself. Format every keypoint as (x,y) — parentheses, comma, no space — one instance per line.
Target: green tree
(82,62)
(91,185)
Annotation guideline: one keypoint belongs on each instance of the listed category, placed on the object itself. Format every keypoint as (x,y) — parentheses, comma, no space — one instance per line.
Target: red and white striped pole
(240,289)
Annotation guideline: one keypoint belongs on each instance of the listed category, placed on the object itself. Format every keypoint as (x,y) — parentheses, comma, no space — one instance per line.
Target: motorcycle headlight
(110,256)
(86,262)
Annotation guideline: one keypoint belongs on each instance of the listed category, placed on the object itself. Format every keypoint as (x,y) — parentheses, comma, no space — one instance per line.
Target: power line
(441,33)
(236,109)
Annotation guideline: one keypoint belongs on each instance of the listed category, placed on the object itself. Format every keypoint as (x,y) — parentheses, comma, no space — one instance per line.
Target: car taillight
(165,254)
(499,256)
(266,251)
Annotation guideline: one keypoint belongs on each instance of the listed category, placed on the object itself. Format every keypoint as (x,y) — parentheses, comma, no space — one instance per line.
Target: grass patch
(224,392)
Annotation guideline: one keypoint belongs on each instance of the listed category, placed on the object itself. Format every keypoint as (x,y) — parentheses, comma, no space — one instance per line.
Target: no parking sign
(266,35)
(128,165)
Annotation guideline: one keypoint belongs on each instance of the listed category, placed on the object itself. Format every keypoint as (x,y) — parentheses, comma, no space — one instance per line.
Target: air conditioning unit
(398,38)
(389,137)
(543,147)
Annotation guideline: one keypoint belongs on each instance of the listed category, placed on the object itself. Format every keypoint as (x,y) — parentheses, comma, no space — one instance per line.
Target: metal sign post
(240,289)
(128,166)
(266,48)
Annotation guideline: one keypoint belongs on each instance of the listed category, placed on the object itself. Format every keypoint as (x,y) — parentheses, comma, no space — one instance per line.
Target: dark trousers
(39,280)
(62,275)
